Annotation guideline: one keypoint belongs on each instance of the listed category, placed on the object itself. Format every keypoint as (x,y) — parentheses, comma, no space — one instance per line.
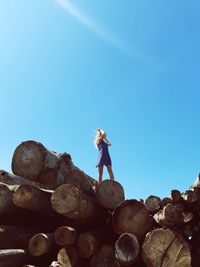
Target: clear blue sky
(129,67)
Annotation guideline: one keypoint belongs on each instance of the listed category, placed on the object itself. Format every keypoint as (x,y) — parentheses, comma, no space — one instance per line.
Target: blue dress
(104,156)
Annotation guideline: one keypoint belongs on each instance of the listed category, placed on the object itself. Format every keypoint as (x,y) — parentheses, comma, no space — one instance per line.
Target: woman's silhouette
(104,157)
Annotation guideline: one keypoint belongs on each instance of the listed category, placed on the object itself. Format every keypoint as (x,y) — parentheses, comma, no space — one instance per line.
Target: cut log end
(65,236)
(65,199)
(164,247)
(28,159)
(86,245)
(127,249)
(131,216)
(40,244)
(152,203)
(109,194)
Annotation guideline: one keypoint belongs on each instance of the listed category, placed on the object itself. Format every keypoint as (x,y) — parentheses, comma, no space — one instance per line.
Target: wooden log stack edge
(54,214)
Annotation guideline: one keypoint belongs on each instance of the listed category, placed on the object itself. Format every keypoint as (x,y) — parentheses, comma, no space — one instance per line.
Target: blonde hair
(99,132)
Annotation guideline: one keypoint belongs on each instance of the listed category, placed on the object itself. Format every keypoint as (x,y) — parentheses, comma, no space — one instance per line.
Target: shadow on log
(13,257)
(41,244)
(127,249)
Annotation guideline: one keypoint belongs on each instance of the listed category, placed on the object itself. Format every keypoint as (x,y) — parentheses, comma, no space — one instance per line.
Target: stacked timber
(54,214)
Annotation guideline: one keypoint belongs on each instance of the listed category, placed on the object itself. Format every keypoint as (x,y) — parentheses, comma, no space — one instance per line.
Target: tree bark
(170,215)
(65,236)
(12,236)
(13,257)
(29,197)
(127,249)
(35,162)
(12,179)
(165,201)
(176,196)
(81,180)
(6,199)
(73,203)
(109,194)
(131,216)
(152,203)
(190,196)
(165,248)
(41,244)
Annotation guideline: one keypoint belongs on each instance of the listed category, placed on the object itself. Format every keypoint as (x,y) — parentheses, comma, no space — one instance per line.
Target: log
(131,216)
(6,199)
(164,247)
(30,158)
(127,249)
(196,182)
(81,180)
(51,178)
(65,236)
(88,242)
(41,244)
(176,196)
(190,196)
(55,264)
(104,257)
(12,236)
(195,252)
(68,257)
(170,215)
(109,194)
(13,257)
(29,197)
(35,162)
(12,179)
(165,201)
(74,204)
(152,203)
(187,216)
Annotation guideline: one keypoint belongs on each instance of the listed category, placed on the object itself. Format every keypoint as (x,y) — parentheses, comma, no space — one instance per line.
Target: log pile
(54,214)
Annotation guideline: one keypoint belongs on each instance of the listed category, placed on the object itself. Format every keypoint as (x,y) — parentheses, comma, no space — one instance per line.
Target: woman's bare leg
(100,171)
(109,168)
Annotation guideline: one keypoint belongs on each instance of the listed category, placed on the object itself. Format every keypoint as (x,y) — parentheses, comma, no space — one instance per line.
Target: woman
(104,158)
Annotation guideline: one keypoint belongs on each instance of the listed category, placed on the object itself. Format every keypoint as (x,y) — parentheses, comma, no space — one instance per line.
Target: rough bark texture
(12,236)
(29,197)
(13,257)
(12,179)
(6,199)
(35,162)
